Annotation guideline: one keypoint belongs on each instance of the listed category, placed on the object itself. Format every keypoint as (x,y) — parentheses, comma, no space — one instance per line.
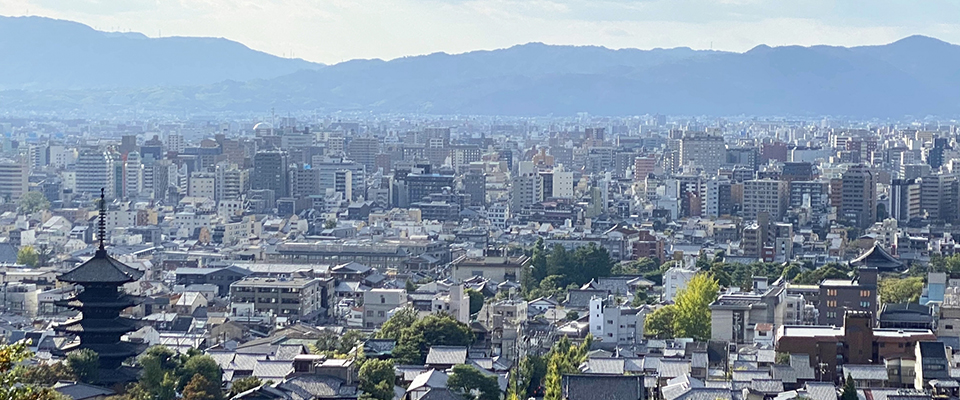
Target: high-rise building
(905,199)
(475,184)
(364,151)
(423,185)
(858,202)
(718,199)
(270,172)
(202,184)
(95,171)
(702,150)
(764,195)
(132,175)
(13,179)
(327,169)
(938,197)
(304,181)
(231,182)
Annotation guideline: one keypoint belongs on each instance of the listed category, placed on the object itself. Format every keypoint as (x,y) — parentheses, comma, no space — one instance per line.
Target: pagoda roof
(101,269)
(878,258)
(78,325)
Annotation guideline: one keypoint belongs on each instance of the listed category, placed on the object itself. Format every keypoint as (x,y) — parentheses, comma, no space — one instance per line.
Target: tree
(85,363)
(12,386)
(28,256)
(393,326)
(433,330)
(244,384)
(326,341)
(573,315)
(692,317)
(849,389)
(564,358)
(410,286)
(199,388)
(895,290)
(200,364)
(467,380)
(349,340)
(476,301)
(659,324)
(32,202)
(47,374)
(377,379)
(157,363)
(330,224)
(538,265)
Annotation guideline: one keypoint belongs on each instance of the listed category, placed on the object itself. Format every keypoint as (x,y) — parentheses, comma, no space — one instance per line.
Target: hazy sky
(331,31)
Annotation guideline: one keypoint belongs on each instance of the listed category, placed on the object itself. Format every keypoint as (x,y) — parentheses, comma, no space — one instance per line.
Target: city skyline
(332,32)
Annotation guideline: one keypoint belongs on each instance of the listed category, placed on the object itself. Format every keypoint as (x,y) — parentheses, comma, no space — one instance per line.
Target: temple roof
(101,269)
(878,258)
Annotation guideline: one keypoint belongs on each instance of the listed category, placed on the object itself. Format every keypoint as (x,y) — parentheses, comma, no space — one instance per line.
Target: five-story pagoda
(99,324)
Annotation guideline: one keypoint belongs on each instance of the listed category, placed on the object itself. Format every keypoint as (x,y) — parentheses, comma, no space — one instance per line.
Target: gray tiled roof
(101,268)
(866,372)
(604,366)
(310,387)
(749,375)
(698,360)
(447,355)
(769,386)
(673,368)
(272,370)
(705,393)
(602,387)
(801,364)
(821,390)
(784,373)
(81,391)
(440,394)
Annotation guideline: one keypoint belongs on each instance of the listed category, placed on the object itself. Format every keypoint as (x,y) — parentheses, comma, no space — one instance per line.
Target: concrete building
(675,280)
(270,172)
(610,323)
(840,295)
(296,299)
(202,184)
(764,195)
(858,203)
(13,179)
(95,171)
(496,269)
(379,304)
(938,197)
(702,150)
(231,182)
(904,199)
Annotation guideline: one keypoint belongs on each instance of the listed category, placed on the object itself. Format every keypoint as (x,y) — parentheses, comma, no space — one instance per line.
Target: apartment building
(296,299)
(764,196)
(379,304)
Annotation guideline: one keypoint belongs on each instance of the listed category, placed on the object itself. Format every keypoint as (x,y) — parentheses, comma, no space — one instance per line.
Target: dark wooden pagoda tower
(99,325)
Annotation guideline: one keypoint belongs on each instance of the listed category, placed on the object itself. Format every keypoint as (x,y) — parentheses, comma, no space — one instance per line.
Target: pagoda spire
(102,224)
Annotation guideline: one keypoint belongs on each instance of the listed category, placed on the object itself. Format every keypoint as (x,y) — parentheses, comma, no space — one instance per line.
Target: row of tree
(541,376)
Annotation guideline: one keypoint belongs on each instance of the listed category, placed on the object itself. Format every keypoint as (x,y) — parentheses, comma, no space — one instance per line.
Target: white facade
(202,184)
(610,323)
(675,280)
(562,184)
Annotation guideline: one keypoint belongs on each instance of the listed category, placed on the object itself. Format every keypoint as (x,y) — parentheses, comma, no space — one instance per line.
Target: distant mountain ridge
(913,76)
(44,53)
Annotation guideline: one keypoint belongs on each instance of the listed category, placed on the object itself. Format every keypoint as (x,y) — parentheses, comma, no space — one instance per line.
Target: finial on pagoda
(102,224)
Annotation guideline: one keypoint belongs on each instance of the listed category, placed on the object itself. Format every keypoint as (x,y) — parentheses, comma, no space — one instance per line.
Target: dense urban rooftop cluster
(416,258)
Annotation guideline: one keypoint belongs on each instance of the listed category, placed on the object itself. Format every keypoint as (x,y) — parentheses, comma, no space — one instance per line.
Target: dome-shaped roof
(262,125)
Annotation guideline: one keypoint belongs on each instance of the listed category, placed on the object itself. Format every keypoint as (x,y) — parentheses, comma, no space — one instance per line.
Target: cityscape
(166,247)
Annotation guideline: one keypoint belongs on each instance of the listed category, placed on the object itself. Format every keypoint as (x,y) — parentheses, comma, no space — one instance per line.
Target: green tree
(199,388)
(157,363)
(32,202)
(377,379)
(692,317)
(327,341)
(476,301)
(564,358)
(538,265)
(47,374)
(433,330)
(573,315)
(349,340)
(467,380)
(28,256)
(896,290)
(410,286)
(849,389)
(85,364)
(12,386)
(244,384)
(200,364)
(392,328)
(330,224)
(659,324)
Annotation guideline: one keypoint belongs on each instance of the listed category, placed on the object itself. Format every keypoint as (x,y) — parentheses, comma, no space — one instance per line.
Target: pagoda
(99,324)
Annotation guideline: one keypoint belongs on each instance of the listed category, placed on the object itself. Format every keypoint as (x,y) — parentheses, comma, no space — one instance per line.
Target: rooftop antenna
(102,224)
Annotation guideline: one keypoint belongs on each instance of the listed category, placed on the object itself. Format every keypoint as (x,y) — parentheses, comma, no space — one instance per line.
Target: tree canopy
(85,364)
(473,384)
(692,317)
(28,256)
(32,202)
(564,358)
(377,379)
(476,301)
(896,290)
(659,324)
(563,268)
(12,384)
(415,339)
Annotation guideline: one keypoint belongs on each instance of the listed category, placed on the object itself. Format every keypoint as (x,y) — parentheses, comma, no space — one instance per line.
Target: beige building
(13,179)
(379,304)
(297,299)
(497,269)
(764,195)
(702,150)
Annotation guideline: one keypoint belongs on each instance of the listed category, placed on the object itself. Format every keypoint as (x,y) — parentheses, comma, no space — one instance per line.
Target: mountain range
(65,66)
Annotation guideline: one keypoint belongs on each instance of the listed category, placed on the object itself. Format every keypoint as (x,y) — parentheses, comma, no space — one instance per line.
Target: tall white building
(231,182)
(562,183)
(610,323)
(132,176)
(702,150)
(175,142)
(95,170)
(202,184)
(13,179)
(675,280)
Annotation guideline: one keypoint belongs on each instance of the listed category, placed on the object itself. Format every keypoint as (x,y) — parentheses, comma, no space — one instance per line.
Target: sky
(331,31)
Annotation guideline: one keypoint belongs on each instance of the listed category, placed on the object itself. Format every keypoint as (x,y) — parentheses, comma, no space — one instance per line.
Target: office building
(13,179)
(95,170)
(270,172)
(857,294)
(904,198)
(858,201)
(938,197)
(764,196)
(698,149)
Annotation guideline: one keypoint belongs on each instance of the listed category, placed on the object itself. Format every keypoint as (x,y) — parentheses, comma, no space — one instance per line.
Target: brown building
(648,245)
(856,342)
(839,295)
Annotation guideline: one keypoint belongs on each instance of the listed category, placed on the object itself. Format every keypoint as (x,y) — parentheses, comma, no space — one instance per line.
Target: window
(369,313)
(831,292)
(831,303)
(864,293)
(610,321)
(380,313)
(949,326)
(598,327)
(865,304)
(382,300)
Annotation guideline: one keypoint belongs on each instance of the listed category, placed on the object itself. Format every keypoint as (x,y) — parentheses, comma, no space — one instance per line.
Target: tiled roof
(447,355)
(784,373)
(440,394)
(81,391)
(749,375)
(801,365)
(673,368)
(770,386)
(602,387)
(101,268)
(604,366)
(311,387)
(272,370)
(431,378)
(705,393)
(861,372)
(821,390)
